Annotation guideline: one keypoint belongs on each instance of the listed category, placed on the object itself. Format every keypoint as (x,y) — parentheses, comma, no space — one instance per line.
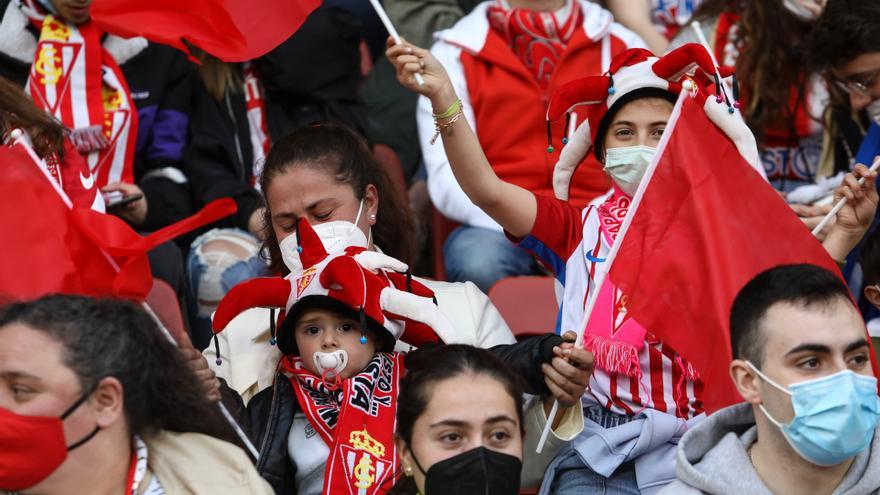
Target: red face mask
(32,447)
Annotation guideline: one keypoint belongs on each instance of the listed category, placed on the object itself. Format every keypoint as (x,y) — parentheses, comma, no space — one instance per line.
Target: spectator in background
(392,107)
(228,142)
(314,75)
(656,21)
(140,155)
(845,47)
(95,399)
(504,72)
(811,409)
(782,101)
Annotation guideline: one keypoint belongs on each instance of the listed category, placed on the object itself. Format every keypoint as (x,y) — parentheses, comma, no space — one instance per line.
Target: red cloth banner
(705,225)
(231,30)
(49,247)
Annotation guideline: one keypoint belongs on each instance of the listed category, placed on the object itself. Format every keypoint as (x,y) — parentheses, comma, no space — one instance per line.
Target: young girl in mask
(331,409)
(621,115)
(459,424)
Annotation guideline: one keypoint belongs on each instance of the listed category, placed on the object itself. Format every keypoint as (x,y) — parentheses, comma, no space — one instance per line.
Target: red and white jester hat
(637,73)
(368,285)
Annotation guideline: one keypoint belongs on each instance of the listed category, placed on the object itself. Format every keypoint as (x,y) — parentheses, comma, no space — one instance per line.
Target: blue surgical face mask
(834,416)
(627,165)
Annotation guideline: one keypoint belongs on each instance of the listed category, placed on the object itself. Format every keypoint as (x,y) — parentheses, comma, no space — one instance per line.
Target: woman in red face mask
(94,399)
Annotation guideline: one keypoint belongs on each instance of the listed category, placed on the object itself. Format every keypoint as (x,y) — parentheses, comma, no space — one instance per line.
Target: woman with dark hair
(95,399)
(460,425)
(766,44)
(327,174)
(49,140)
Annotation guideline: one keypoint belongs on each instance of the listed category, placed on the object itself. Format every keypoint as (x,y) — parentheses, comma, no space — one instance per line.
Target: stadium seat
(528,304)
(441,227)
(163,301)
(390,162)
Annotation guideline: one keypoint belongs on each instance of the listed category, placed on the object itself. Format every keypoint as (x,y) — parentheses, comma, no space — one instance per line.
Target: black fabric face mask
(479,471)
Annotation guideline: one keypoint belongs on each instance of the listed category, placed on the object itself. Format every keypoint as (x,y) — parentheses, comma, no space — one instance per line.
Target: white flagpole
(383,16)
(842,201)
(605,267)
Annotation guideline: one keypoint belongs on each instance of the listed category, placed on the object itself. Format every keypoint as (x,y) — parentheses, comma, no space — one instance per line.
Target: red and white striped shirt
(570,242)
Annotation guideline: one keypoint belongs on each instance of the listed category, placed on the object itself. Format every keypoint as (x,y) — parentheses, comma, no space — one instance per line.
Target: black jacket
(314,75)
(270,412)
(219,159)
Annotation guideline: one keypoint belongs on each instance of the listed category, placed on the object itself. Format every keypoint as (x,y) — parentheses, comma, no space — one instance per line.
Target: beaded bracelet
(438,127)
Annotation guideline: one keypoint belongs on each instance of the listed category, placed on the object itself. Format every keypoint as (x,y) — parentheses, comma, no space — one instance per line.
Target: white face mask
(627,165)
(797,8)
(336,236)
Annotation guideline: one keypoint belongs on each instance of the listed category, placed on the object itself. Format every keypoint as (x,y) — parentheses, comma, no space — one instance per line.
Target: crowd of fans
(324,353)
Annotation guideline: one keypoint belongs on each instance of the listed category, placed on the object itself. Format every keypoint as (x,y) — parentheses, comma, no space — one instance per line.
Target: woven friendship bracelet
(452,110)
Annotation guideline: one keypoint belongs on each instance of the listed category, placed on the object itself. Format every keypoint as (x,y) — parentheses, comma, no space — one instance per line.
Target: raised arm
(513,207)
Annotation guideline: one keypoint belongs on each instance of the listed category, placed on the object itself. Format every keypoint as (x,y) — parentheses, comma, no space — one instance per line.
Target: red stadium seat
(441,227)
(163,301)
(390,162)
(528,304)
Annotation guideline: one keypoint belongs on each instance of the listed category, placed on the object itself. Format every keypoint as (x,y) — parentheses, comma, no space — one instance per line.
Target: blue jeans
(484,257)
(572,476)
(212,274)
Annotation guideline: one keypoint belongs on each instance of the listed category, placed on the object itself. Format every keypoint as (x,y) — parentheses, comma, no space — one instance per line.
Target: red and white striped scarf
(356,420)
(77,81)
(255,103)
(536,38)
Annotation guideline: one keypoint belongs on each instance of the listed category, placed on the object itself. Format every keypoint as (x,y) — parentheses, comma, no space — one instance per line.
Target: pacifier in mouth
(330,364)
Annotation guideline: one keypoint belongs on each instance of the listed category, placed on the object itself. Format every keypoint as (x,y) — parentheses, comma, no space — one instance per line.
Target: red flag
(42,251)
(49,247)
(231,30)
(706,224)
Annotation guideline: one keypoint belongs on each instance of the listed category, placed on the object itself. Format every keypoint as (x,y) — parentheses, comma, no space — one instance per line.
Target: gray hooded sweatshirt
(712,458)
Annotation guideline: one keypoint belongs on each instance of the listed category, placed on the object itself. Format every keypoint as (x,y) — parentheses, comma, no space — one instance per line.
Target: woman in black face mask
(459,424)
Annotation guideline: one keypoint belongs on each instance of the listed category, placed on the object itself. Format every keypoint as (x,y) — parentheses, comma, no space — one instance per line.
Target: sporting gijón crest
(52,71)
(303,281)
(365,466)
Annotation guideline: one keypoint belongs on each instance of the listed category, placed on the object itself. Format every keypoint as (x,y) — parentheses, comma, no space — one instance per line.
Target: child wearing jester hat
(344,313)
(339,375)
(620,116)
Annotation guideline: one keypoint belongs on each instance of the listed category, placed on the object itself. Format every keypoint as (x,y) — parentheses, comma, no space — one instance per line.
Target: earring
(373,217)
(407,470)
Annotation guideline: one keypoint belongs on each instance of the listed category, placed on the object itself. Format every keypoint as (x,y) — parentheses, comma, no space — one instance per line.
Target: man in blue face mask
(802,364)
